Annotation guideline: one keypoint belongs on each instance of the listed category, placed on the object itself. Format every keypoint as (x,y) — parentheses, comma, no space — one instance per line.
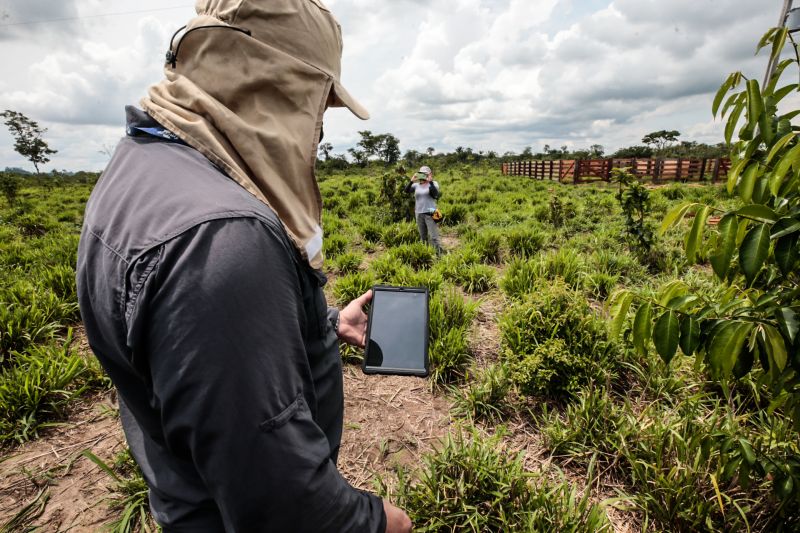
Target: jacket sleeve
(230,376)
(409,187)
(434,190)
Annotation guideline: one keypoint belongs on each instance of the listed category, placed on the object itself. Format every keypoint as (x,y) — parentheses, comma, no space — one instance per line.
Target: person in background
(426,192)
(200,286)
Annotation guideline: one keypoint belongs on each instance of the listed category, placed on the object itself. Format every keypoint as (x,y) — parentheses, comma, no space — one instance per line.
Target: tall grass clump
(450,316)
(417,255)
(525,242)
(521,278)
(36,390)
(399,233)
(487,246)
(472,484)
(349,287)
(487,396)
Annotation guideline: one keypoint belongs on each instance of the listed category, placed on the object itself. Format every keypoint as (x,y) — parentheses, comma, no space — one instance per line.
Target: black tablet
(397,332)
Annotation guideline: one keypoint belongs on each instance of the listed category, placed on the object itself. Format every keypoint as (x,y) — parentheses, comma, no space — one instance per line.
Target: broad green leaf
(619,310)
(744,363)
(759,212)
(789,159)
(726,243)
(724,88)
(778,42)
(781,93)
(776,346)
(733,119)
(669,291)
(748,181)
(733,174)
(732,99)
(680,302)
(642,328)
(786,253)
(726,345)
(765,39)
(690,335)
(695,235)
(784,226)
(666,333)
(790,115)
(761,190)
(753,251)
(778,146)
(747,452)
(674,217)
(787,321)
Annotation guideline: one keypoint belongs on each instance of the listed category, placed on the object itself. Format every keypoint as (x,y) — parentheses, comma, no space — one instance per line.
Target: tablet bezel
(398,371)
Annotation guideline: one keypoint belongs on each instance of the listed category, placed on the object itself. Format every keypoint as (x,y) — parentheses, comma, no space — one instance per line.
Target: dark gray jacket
(219,341)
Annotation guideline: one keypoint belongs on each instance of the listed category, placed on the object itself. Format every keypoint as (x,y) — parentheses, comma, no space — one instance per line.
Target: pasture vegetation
(686,442)
(687,455)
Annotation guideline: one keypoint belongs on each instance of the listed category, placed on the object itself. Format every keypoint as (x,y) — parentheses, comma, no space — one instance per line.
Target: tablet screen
(397,340)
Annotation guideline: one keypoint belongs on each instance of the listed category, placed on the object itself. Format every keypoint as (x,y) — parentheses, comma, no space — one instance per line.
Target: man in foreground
(199,281)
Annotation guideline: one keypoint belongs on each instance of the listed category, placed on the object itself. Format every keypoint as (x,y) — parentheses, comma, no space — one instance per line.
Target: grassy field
(628,444)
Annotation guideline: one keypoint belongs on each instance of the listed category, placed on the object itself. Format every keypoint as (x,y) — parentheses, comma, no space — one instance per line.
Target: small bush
(554,343)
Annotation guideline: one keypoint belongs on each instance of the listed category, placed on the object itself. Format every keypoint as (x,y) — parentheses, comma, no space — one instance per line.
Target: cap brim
(342,98)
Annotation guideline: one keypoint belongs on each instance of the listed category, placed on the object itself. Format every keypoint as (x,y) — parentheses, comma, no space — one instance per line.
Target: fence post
(576,176)
(679,170)
(715,175)
(657,167)
(703,168)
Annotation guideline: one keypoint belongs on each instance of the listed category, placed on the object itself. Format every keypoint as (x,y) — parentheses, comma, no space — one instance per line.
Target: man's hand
(397,521)
(353,321)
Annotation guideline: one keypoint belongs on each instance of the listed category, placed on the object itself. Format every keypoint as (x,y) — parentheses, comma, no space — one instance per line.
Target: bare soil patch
(76,488)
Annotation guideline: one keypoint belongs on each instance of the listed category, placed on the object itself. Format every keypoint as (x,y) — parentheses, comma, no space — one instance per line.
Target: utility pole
(772,65)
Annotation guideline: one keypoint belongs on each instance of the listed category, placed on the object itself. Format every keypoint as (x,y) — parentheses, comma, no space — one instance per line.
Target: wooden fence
(589,170)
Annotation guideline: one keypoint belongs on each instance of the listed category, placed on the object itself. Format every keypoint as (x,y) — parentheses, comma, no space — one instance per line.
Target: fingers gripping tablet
(397,332)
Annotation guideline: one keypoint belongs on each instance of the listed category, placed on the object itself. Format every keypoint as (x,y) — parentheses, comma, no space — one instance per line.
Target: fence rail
(589,170)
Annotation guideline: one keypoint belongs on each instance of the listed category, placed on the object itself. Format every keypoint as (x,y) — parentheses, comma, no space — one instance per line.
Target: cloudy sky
(490,74)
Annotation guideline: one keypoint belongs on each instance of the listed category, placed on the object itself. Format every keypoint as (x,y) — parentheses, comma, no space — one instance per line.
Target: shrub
(9,187)
(554,343)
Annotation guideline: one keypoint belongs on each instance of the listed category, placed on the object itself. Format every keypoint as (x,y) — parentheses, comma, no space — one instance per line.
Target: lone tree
(661,139)
(28,140)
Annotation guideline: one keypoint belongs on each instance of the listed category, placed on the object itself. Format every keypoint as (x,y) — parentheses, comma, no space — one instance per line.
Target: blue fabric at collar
(156,131)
